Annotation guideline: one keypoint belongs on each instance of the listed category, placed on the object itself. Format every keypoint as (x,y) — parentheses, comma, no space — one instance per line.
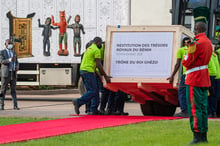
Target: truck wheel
(157,109)
(81,87)
(147,108)
(163,110)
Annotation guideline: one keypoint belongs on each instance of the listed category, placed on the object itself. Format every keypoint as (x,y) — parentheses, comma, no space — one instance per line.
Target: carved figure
(63,34)
(46,33)
(77,27)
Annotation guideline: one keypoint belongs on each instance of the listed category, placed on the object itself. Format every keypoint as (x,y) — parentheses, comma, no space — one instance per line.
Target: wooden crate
(143,57)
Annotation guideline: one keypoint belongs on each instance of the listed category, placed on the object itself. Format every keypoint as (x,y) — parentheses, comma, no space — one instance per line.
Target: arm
(188,60)
(69,19)
(54,28)
(53,23)
(177,65)
(70,26)
(101,70)
(3,60)
(16,61)
(82,28)
(40,25)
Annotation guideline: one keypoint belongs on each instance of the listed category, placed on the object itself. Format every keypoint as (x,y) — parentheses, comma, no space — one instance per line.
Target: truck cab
(182,15)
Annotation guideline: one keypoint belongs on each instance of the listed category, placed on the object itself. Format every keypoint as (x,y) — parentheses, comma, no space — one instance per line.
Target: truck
(129,47)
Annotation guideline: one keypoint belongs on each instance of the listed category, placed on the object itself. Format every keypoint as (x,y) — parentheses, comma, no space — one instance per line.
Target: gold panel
(22,28)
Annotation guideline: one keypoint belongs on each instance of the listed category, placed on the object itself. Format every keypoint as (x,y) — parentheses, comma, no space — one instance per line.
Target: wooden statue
(63,34)
(77,27)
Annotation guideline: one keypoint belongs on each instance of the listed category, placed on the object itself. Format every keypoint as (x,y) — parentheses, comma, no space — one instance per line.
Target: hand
(16,68)
(108,79)
(191,49)
(192,46)
(170,80)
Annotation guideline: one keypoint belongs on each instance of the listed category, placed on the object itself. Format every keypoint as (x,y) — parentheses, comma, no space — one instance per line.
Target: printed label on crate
(141,54)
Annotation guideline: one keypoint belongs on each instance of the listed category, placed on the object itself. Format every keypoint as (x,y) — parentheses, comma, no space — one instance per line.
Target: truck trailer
(20,19)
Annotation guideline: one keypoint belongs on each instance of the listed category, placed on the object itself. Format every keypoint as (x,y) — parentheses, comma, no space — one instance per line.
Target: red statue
(63,34)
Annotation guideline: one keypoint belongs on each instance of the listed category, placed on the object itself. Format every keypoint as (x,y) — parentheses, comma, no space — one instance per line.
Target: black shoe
(16,108)
(94,113)
(76,106)
(182,114)
(87,111)
(124,113)
(102,112)
(108,112)
(197,138)
(213,115)
(204,137)
(116,113)
(120,113)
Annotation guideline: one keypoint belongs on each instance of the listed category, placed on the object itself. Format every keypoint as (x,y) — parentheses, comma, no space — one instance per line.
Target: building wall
(151,12)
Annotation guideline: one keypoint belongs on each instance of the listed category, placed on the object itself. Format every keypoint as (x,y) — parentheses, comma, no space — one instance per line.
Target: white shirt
(10,54)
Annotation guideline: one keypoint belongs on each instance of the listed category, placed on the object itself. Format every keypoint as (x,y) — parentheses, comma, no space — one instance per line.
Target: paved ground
(51,103)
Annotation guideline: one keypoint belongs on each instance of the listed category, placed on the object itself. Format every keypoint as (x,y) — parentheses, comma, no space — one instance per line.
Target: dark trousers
(46,42)
(12,77)
(182,94)
(100,89)
(120,101)
(217,94)
(217,88)
(107,96)
(92,92)
(212,98)
(111,101)
(104,98)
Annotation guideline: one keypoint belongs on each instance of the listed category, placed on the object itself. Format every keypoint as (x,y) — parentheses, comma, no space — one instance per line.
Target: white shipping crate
(143,54)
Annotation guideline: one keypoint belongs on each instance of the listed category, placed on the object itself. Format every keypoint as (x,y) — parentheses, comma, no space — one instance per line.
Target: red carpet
(36,130)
